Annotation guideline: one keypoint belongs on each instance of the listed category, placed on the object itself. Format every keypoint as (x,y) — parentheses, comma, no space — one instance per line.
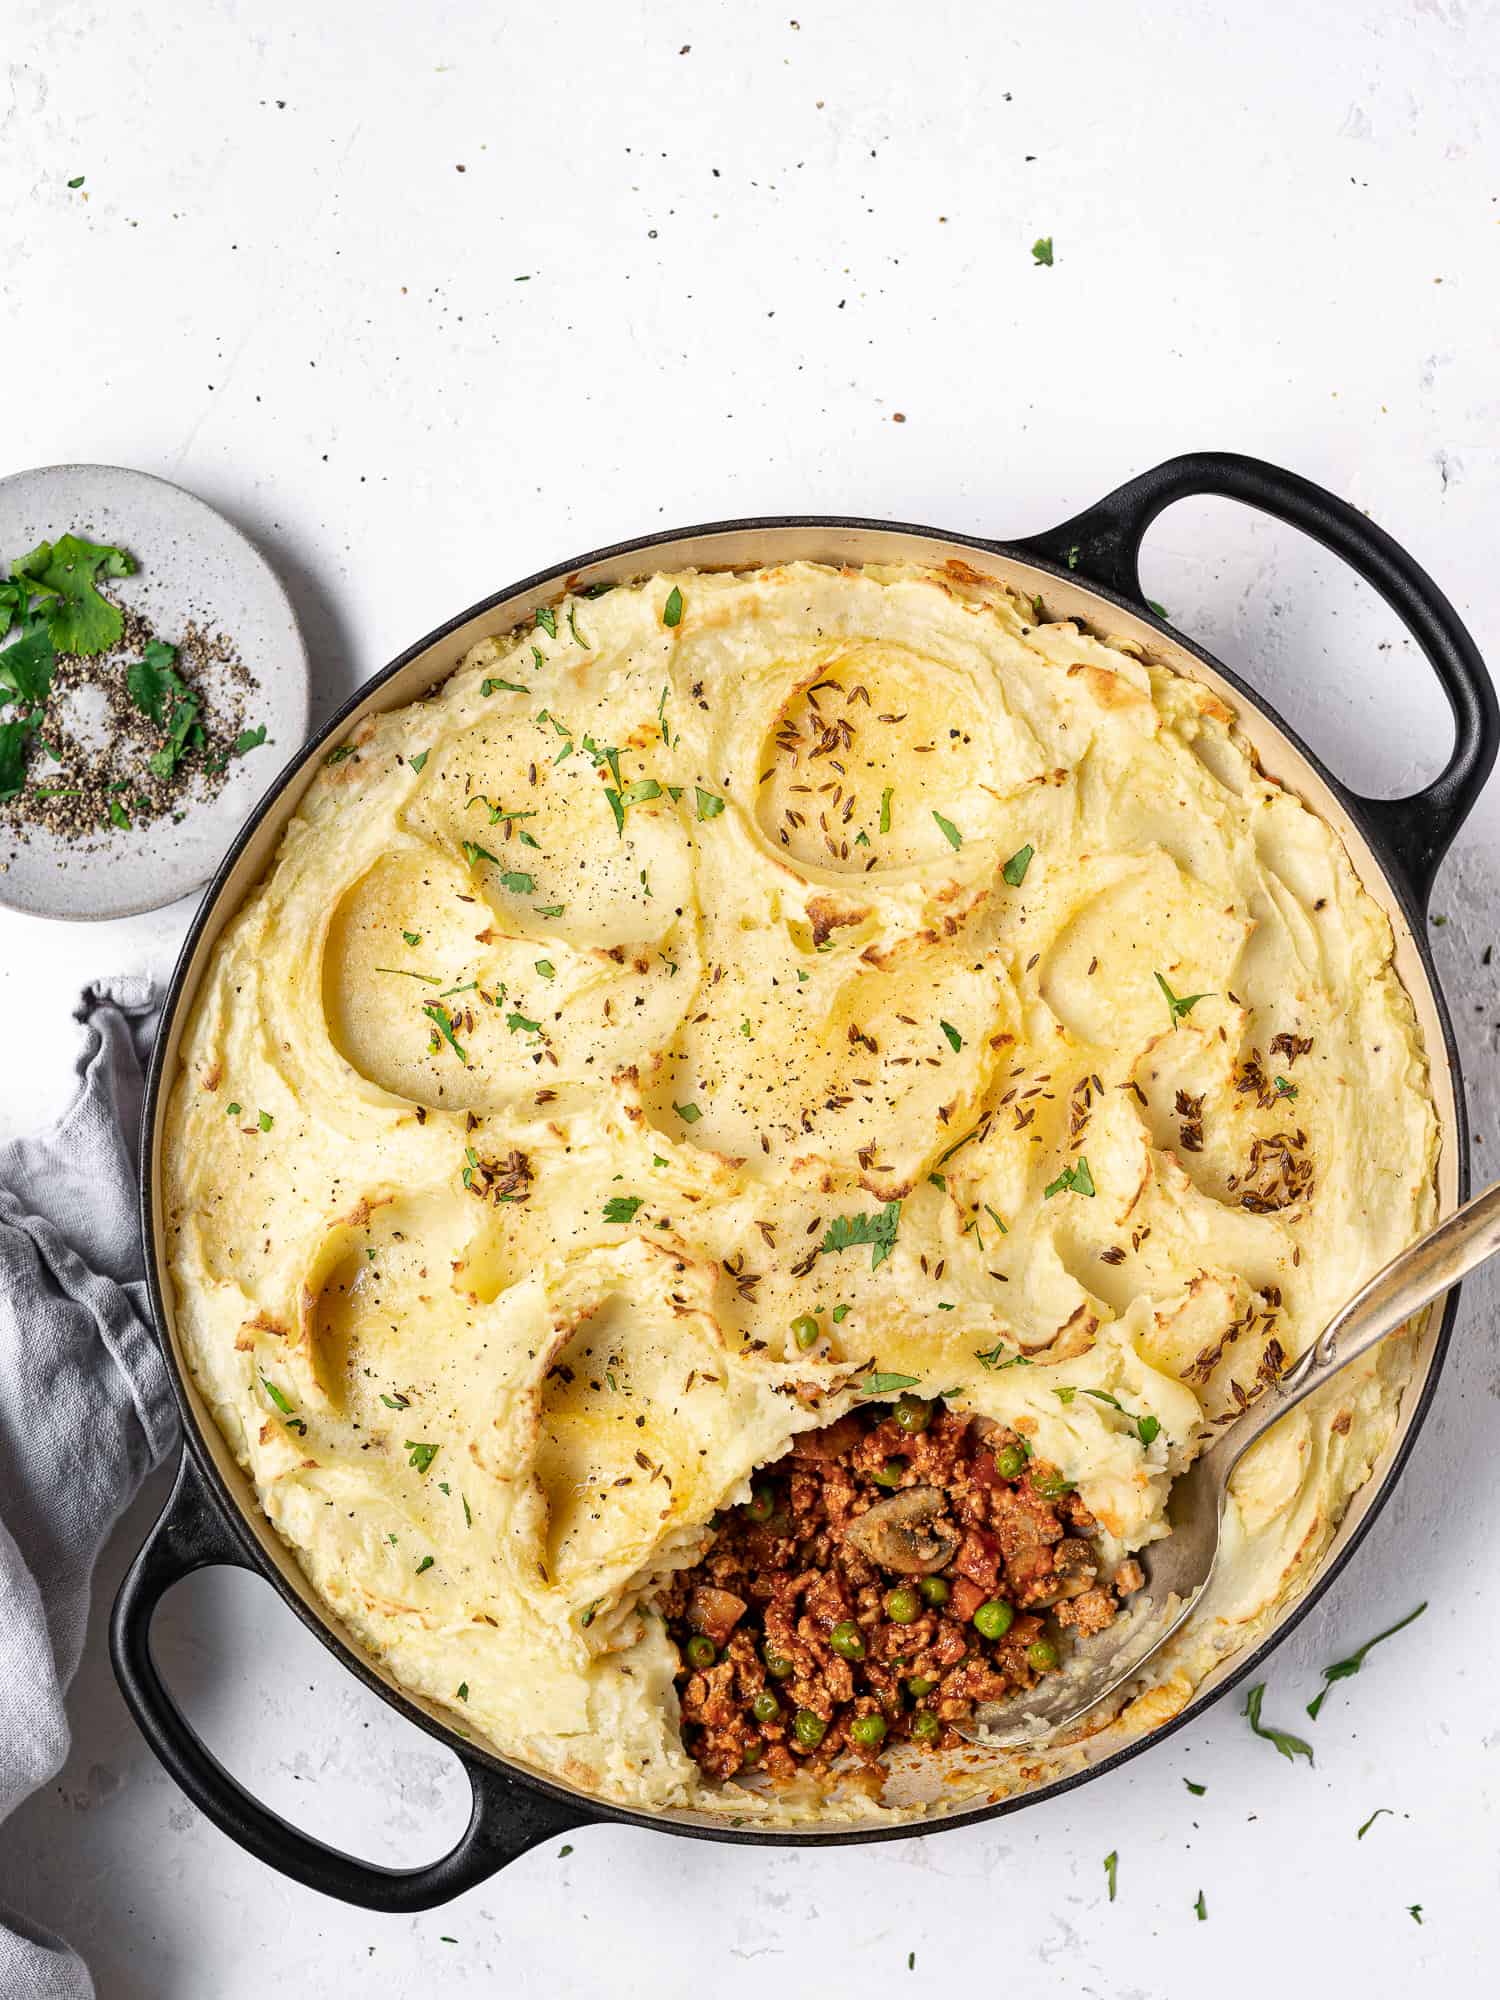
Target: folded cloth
(86,1411)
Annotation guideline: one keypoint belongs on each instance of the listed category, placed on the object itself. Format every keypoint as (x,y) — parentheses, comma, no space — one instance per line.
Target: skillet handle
(508,1817)
(1102,545)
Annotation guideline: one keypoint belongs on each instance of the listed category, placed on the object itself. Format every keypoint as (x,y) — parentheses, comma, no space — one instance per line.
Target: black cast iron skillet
(204,1523)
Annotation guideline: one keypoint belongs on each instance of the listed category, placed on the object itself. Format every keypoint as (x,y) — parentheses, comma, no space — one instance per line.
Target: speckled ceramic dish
(192,565)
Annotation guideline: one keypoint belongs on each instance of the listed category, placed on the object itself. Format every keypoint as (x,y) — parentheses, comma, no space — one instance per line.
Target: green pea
(994,1619)
(890,1473)
(762,1503)
(847,1639)
(920,1685)
(778,1666)
(808,1728)
(925,1727)
(913,1415)
(751,1755)
(765,1707)
(935,1589)
(700,1651)
(903,1604)
(1010,1461)
(805,1331)
(1042,1655)
(868,1731)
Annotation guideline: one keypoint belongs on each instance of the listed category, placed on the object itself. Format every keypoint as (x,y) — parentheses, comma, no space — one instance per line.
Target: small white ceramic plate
(191,565)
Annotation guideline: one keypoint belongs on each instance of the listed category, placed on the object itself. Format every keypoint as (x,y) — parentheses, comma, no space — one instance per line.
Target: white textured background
(1276,231)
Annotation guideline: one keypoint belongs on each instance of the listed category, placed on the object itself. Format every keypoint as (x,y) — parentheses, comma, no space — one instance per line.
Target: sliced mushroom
(906,1533)
(1074,1569)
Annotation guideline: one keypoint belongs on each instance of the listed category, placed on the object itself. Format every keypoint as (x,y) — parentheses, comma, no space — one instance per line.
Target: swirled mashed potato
(729,948)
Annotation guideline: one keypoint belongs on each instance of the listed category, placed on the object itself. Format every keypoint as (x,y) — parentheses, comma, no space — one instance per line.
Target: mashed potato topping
(862,949)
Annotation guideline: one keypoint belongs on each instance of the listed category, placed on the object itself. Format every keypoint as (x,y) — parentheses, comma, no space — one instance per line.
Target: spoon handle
(1414,1279)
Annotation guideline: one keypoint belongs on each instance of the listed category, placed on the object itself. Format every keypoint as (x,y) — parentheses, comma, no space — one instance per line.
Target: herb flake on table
(1041,251)
(1196,1790)
(1343,1669)
(1379,1810)
(1291,1747)
(1202,1908)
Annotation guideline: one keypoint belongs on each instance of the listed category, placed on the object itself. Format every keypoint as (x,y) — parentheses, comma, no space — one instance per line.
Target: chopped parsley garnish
(337,756)
(996,1357)
(1371,1821)
(544,619)
(949,831)
(422,1455)
(1202,1908)
(578,638)
(887,1385)
(152,682)
(474,853)
(425,1564)
(1148,1428)
(1159,609)
(1014,871)
(621,1208)
(1073,556)
(1290,1746)
(438,1015)
(463,1695)
(1176,1007)
(396,1402)
(277,1396)
(247,740)
(1414,1911)
(590,1611)
(550,909)
(518,1024)
(1041,250)
(841,1313)
(878,1230)
(688,1113)
(412,937)
(76,182)
(401,972)
(233,1110)
(1283,1088)
(641,790)
(955,1039)
(1196,1790)
(1342,1669)
(118,815)
(419,760)
(1075,1179)
(264,1120)
(517,881)
(672,609)
(545,968)
(1111,1871)
(885,808)
(709,806)
(661,718)
(511,687)
(996,1217)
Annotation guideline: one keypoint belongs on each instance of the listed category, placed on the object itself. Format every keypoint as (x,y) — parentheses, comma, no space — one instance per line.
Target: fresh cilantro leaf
(1041,250)
(709,807)
(26,667)
(518,1024)
(878,1230)
(672,610)
(463,1690)
(518,882)
(14,737)
(995,1357)
(622,1207)
(248,739)
(950,832)
(80,619)
(688,1113)
(1342,1669)
(438,1015)
(640,791)
(887,1385)
(118,815)
(474,853)
(488,687)
(1290,1746)
(152,682)
(545,620)
(1075,1179)
(955,1039)
(1014,871)
(1111,1871)
(422,1455)
(1371,1821)
(419,760)
(1175,1007)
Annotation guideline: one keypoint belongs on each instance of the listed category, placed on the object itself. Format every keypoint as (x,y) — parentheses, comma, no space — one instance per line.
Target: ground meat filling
(893,1570)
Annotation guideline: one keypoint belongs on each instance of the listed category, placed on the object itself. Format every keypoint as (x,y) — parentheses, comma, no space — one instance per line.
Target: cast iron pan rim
(602,1811)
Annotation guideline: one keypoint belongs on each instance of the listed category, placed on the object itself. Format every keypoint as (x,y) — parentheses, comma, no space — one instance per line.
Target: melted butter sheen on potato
(858,944)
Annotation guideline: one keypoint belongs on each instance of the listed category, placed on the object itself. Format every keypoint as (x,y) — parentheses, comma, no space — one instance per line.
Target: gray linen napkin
(85,1412)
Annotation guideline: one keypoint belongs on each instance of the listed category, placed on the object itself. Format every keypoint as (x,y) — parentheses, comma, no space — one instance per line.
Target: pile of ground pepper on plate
(105,723)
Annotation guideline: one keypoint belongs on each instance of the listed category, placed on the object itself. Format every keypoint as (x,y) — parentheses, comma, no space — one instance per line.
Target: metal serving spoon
(1178,1567)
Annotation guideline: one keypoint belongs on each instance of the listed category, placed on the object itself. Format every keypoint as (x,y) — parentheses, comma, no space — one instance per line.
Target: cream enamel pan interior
(733,545)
